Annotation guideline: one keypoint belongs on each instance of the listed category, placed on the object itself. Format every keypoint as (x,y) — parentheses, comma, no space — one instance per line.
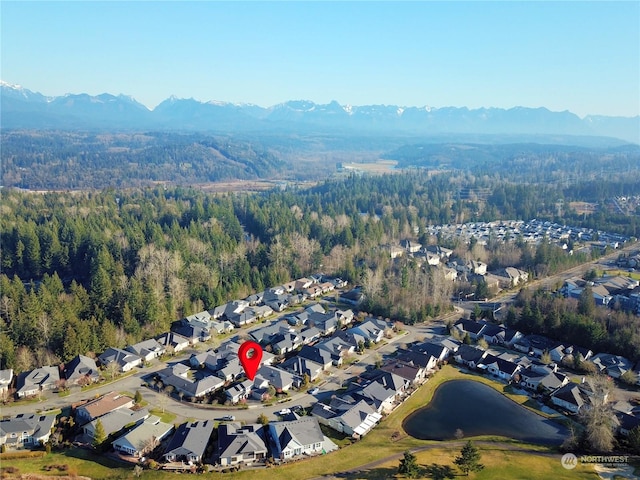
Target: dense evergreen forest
(82,271)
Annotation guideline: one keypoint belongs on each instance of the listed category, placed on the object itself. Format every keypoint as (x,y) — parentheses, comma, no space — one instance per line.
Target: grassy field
(503,457)
(624,273)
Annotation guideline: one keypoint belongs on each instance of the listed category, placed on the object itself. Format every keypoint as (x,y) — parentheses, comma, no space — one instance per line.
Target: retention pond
(477,409)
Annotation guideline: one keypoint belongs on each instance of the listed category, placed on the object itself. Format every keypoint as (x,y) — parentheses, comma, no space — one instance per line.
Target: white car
(284,411)
(314,390)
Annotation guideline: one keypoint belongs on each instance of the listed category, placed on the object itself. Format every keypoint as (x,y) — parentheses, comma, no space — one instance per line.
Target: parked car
(284,411)
(314,390)
(228,418)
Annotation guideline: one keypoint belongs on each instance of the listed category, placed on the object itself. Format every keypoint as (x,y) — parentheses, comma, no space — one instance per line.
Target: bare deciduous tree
(599,420)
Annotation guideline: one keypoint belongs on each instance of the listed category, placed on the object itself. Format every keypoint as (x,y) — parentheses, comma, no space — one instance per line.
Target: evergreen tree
(137,398)
(469,459)
(409,465)
(99,435)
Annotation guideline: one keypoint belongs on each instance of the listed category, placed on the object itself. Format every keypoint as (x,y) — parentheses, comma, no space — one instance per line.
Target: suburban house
(239,391)
(172,340)
(189,443)
(354,419)
(6,377)
(426,361)
(338,348)
(345,317)
(511,277)
(317,355)
(626,423)
(613,365)
(542,377)
(440,352)
(412,373)
(410,246)
(143,438)
(280,379)
(193,332)
(81,370)
(37,380)
(241,445)
(371,329)
(26,430)
(289,440)
(469,356)
(352,297)
(301,366)
(470,327)
(101,406)
(116,420)
(571,397)
(147,349)
(125,360)
(309,335)
(443,253)
(327,323)
(499,367)
(183,385)
(479,268)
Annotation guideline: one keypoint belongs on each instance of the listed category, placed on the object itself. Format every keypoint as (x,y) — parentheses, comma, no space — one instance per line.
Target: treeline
(578,321)
(86,270)
(61,160)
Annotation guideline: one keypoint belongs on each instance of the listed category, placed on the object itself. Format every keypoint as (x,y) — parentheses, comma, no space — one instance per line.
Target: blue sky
(577,56)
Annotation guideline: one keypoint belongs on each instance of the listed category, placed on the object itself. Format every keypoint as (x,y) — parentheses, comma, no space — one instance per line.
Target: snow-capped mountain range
(22,108)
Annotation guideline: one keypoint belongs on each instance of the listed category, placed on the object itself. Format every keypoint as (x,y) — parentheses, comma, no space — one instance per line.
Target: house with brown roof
(101,406)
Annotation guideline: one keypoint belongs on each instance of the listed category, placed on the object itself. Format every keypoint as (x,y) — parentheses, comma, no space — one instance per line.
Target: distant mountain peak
(22,108)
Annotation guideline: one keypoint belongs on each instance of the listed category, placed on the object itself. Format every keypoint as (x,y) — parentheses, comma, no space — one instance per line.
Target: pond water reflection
(478,409)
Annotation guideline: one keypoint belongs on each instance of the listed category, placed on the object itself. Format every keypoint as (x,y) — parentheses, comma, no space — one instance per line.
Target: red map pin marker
(250,354)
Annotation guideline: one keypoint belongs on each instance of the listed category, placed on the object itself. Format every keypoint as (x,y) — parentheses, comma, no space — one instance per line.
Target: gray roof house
(570,397)
(189,442)
(355,419)
(81,370)
(317,355)
(469,356)
(371,328)
(289,440)
(125,360)
(147,349)
(188,387)
(143,438)
(301,366)
(116,420)
(614,365)
(239,391)
(26,430)
(241,444)
(327,323)
(499,367)
(337,347)
(173,340)
(280,379)
(38,379)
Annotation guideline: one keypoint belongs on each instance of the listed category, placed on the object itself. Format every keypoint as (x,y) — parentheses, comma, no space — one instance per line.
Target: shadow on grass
(374,474)
(91,456)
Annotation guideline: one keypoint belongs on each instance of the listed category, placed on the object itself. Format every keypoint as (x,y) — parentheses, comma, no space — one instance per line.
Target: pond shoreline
(469,408)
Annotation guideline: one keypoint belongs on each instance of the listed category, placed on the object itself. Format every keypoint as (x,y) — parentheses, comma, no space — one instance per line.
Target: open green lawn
(389,439)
